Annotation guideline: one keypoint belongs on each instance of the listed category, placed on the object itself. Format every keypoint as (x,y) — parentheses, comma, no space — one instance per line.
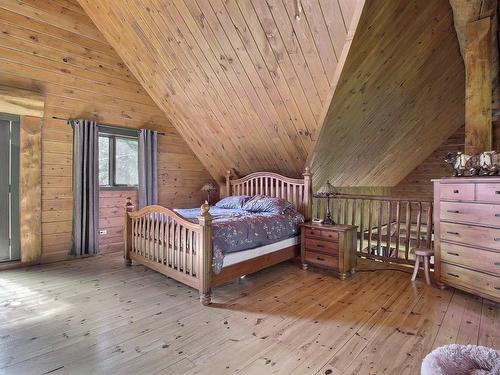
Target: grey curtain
(148,175)
(85,188)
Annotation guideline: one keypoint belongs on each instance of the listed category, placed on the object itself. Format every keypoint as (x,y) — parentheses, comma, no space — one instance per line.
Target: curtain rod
(108,125)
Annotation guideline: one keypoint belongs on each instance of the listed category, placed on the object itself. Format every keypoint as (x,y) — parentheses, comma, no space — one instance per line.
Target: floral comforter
(237,230)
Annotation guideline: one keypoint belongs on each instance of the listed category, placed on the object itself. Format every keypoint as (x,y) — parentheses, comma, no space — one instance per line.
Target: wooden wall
(400,95)
(418,182)
(53,48)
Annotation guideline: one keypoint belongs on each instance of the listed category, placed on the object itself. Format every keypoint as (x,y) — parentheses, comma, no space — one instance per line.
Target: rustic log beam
(478,86)
(466,11)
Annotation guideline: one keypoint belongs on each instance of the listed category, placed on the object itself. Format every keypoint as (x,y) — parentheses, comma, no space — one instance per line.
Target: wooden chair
(423,254)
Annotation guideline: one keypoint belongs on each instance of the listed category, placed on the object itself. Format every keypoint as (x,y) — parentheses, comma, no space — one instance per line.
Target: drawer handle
(319,245)
(497,192)
(319,258)
(497,239)
(456,191)
(497,215)
(452,274)
(455,233)
(453,211)
(497,264)
(456,254)
(497,287)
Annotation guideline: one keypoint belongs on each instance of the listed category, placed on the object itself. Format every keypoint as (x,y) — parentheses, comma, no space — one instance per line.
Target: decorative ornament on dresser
(327,191)
(484,164)
(208,188)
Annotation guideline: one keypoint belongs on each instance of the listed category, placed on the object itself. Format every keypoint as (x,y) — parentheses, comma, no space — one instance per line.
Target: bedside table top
(336,227)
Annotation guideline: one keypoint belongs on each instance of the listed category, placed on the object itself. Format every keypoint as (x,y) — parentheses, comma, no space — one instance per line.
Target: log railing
(388,228)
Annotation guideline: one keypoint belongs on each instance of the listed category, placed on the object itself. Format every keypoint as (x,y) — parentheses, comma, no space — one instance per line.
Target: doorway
(9,188)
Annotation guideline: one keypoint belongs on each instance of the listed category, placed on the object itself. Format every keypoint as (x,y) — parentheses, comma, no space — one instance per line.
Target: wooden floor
(94,316)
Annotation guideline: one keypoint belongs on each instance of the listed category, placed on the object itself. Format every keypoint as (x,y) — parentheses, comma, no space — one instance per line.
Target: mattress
(241,256)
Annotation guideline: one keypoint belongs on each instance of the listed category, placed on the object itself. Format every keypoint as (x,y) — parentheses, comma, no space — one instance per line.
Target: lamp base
(327,221)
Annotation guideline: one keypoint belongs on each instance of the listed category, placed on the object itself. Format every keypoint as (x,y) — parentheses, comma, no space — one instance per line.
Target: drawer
(475,213)
(488,192)
(321,259)
(322,246)
(471,235)
(473,280)
(322,233)
(458,192)
(481,260)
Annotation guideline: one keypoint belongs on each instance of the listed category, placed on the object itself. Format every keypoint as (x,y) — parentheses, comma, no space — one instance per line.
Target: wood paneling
(418,184)
(53,48)
(111,218)
(244,82)
(401,94)
(30,187)
(21,102)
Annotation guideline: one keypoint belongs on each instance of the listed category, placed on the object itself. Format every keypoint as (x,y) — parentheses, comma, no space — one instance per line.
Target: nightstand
(329,246)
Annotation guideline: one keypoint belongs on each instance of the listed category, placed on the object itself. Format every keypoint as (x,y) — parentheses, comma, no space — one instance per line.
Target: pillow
(234,201)
(263,203)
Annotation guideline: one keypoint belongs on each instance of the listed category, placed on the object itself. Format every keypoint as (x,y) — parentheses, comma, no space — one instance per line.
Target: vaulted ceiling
(400,95)
(275,84)
(245,82)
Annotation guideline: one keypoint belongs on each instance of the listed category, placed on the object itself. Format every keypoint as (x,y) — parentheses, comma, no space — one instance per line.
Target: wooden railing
(388,228)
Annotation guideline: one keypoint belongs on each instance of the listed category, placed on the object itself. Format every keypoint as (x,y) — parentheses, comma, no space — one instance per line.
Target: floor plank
(96,316)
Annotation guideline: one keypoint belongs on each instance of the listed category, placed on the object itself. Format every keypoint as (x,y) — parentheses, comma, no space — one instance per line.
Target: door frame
(14,167)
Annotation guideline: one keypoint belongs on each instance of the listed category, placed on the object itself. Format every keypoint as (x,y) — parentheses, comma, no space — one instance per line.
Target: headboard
(295,190)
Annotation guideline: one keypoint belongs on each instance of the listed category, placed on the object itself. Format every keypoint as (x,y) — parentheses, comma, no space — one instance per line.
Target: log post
(307,194)
(205,252)
(127,232)
(478,87)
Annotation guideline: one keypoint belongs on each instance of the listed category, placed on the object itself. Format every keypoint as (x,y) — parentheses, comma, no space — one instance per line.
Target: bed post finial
(228,183)
(205,270)
(129,207)
(307,193)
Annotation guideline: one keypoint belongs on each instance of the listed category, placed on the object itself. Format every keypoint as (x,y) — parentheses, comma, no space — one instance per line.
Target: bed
(195,247)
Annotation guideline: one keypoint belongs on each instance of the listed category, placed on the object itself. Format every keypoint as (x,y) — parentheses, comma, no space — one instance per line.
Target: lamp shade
(327,190)
(208,187)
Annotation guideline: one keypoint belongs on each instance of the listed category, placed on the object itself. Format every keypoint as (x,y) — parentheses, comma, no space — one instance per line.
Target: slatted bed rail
(166,242)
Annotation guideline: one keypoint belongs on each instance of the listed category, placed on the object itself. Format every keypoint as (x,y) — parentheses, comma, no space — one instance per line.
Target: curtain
(85,188)
(148,175)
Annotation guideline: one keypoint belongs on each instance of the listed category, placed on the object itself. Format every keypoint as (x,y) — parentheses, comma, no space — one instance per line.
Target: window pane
(103,161)
(126,161)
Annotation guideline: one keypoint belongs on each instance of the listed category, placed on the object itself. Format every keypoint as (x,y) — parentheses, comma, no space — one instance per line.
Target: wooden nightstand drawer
(321,233)
(322,246)
(321,259)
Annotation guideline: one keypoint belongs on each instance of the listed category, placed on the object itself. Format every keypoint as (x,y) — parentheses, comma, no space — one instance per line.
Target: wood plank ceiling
(400,95)
(246,83)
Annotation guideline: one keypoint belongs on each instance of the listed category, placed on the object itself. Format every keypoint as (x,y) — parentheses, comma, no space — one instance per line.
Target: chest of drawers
(332,247)
(467,234)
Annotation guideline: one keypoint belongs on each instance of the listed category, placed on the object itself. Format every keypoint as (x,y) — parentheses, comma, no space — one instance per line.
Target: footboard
(166,242)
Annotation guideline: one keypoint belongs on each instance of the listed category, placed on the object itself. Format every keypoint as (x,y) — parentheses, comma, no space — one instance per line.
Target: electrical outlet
(102,232)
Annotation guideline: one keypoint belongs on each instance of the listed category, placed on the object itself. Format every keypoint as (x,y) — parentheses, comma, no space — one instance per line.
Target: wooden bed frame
(159,238)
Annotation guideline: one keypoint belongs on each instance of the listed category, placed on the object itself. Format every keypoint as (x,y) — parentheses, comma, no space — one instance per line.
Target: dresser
(329,246)
(467,234)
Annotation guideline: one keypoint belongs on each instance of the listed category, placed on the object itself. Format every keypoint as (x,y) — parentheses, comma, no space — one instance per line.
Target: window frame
(112,134)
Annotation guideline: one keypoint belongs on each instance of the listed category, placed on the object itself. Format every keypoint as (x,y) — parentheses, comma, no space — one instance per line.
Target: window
(118,161)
